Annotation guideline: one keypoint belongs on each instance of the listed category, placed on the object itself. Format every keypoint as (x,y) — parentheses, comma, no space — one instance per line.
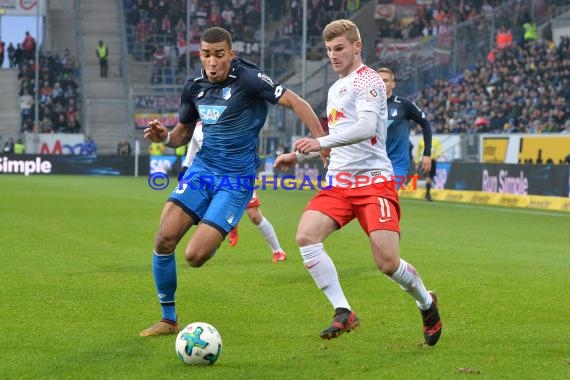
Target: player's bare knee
(193,259)
(389,267)
(304,239)
(256,219)
(164,245)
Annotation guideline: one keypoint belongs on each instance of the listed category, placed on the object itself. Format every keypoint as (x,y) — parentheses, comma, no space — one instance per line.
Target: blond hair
(386,70)
(340,28)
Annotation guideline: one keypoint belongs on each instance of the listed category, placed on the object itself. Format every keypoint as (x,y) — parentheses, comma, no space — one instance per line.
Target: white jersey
(361,90)
(194,145)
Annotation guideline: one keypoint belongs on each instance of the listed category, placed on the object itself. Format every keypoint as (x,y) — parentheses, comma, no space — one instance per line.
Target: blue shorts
(217,200)
(400,176)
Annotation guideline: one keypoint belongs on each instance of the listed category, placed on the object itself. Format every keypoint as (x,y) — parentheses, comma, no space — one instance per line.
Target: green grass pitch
(76,288)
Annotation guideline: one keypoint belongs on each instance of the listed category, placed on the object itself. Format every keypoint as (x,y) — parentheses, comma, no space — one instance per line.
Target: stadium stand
(156,31)
(444,56)
(523,89)
(58,93)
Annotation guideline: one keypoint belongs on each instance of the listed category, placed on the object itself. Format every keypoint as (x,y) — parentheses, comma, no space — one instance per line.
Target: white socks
(323,271)
(269,235)
(408,278)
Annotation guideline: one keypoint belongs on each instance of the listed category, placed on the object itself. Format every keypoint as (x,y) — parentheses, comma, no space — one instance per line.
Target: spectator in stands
(19,147)
(26,101)
(102,52)
(28,47)
(18,55)
(27,125)
(60,124)
(530,32)
(8,146)
(46,125)
(67,62)
(2,51)
(159,56)
(124,148)
(11,55)
(73,126)
(504,37)
(156,149)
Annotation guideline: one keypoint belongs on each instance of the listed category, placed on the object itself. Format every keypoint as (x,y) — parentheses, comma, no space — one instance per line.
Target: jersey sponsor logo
(200,94)
(210,114)
(264,77)
(335,116)
(394,112)
(226,93)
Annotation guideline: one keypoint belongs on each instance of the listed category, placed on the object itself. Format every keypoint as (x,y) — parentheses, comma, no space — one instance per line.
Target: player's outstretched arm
(285,161)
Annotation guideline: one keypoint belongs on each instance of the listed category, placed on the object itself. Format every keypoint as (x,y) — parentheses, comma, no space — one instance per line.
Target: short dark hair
(216,34)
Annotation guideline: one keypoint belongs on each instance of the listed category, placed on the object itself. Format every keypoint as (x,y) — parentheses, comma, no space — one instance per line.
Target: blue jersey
(232,114)
(400,112)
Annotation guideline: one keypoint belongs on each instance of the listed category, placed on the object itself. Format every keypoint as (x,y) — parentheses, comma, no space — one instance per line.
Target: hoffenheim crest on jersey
(230,217)
(226,93)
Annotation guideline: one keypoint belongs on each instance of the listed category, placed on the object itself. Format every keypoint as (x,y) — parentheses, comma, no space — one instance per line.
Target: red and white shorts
(376,208)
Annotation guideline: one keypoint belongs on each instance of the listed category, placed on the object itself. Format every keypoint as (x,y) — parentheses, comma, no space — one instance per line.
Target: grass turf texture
(76,288)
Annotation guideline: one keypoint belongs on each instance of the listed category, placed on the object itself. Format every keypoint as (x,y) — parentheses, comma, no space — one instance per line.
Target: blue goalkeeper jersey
(232,114)
(400,112)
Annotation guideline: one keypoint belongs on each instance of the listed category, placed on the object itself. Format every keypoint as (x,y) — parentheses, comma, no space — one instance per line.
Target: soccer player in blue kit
(229,95)
(400,111)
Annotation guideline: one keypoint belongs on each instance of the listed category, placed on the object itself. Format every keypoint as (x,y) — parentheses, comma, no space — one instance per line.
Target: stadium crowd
(157,29)
(58,92)
(520,88)
(432,18)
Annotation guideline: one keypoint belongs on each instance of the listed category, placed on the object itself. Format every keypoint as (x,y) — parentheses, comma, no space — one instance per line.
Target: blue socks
(164,270)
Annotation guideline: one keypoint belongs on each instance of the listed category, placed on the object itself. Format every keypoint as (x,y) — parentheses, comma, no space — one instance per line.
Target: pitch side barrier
(70,164)
(533,186)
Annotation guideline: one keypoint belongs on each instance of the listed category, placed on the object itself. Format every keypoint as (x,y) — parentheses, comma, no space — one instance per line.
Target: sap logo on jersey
(210,114)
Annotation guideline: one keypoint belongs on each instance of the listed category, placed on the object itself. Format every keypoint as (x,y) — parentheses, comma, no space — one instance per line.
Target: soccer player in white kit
(363,186)
(252,209)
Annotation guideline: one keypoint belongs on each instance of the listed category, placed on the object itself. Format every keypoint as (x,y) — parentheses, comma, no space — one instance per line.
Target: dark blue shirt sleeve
(262,86)
(187,112)
(416,114)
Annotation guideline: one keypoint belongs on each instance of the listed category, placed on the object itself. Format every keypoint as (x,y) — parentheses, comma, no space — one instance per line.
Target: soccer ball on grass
(199,343)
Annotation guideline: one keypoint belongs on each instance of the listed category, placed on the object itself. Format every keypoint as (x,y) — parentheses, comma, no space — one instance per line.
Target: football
(199,343)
